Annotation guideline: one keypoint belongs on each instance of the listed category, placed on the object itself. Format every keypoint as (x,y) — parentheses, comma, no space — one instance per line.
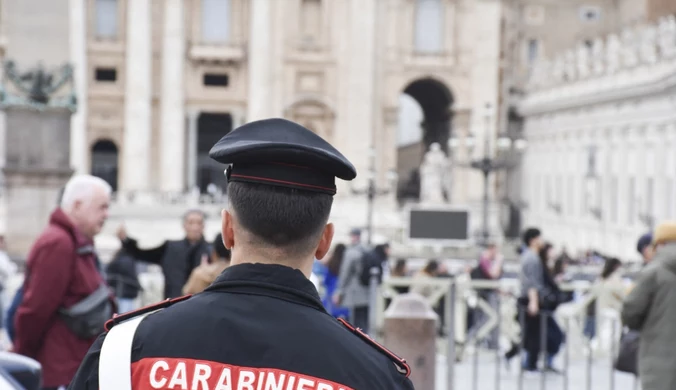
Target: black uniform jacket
(257,327)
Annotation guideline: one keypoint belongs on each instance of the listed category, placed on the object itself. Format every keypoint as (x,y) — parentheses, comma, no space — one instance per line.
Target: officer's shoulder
(400,363)
(118,318)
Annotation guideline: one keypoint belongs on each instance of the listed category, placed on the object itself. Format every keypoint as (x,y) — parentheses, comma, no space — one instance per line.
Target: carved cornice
(658,80)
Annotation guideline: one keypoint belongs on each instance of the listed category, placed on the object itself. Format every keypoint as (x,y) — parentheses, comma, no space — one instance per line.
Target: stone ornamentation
(598,57)
(613,48)
(648,48)
(36,88)
(644,45)
(629,48)
(582,61)
(667,37)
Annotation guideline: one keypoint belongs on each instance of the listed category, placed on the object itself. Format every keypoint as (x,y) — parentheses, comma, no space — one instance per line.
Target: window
(106,18)
(216,19)
(590,14)
(310,20)
(215,79)
(428,26)
(106,74)
(533,49)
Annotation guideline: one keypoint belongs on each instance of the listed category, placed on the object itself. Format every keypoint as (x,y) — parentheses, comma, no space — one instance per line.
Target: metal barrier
(459,294)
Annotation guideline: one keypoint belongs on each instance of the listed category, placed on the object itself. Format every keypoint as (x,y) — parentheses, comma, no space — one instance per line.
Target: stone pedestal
(37,167)
(410,330)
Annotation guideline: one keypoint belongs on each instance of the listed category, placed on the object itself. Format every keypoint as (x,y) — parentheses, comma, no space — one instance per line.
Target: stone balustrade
(634,46)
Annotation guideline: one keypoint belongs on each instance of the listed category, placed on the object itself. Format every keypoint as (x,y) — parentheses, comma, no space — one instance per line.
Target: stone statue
(558,69)
(667,37)
(433,172)
(613,48)
(629,48)
(598,57)
(37,85)
(539,76)
(570,68)
(648,48)
(582,57)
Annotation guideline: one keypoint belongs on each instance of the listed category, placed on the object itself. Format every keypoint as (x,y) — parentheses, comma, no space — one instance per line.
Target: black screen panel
(438,225)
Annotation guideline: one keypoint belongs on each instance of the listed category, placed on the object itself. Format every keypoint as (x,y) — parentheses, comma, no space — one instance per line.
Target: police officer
(261,324)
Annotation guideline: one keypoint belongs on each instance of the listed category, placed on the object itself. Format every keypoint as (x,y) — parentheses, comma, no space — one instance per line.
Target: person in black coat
(178,258)
(122,277)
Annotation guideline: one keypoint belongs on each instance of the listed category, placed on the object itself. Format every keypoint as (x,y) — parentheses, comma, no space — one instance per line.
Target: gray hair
(81,188)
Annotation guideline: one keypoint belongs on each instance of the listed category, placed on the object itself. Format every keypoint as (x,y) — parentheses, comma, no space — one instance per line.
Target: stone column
(259,56)
(361,66)
(410,330)
(78,55)
(173,100)
(138,113)
(192,149)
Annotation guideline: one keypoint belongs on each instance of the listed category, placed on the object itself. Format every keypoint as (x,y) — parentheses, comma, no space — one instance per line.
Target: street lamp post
(488,164)
(372,191)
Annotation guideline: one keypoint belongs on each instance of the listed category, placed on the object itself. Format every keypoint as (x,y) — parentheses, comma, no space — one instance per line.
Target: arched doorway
(425,117)
(104,161)
(211,127)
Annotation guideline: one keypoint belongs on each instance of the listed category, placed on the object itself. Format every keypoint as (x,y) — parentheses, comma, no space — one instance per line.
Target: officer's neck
(243,255)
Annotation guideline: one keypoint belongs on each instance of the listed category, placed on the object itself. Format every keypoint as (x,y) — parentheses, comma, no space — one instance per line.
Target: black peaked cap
(279,152)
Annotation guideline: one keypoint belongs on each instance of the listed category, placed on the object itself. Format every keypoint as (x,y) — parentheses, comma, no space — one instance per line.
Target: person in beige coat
(205,274)
(651,309)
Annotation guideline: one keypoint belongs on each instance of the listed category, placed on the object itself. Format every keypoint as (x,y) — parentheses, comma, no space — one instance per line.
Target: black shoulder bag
(87,318)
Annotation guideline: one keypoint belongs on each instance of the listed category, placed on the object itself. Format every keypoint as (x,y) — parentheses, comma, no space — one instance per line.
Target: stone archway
(435,100)
(105,161)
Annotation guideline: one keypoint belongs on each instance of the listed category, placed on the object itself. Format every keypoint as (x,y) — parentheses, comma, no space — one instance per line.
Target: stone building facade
(601,125)
(164,79)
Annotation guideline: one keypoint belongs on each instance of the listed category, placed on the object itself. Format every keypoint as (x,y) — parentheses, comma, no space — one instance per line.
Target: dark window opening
(215,80)
(106,74)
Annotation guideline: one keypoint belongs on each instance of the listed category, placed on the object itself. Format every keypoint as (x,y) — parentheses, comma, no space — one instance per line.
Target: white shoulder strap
(115,356)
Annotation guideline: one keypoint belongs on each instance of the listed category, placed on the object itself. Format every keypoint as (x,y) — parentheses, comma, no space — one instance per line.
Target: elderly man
(61,271)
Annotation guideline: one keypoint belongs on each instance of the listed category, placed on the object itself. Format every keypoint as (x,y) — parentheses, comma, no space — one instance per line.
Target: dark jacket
(56,276)
(177,259)
(257,322)
(122,276)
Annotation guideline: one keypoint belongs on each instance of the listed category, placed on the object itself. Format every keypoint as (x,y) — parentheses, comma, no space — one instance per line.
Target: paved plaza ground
(509,379)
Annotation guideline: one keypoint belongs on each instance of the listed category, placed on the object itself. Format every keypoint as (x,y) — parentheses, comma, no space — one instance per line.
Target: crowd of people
(343,275)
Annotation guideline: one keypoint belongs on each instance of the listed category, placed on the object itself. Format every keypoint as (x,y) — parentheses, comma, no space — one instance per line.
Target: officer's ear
(325,241)
(227,229)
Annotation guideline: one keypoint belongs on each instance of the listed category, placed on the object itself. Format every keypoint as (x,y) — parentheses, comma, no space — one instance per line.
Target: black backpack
(369,260)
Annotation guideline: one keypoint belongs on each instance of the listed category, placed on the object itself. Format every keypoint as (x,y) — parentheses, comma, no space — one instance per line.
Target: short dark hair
(280,217)
(220,248)
(530,234)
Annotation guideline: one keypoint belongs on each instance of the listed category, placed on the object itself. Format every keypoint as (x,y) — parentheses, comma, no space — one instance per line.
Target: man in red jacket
(62,270)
